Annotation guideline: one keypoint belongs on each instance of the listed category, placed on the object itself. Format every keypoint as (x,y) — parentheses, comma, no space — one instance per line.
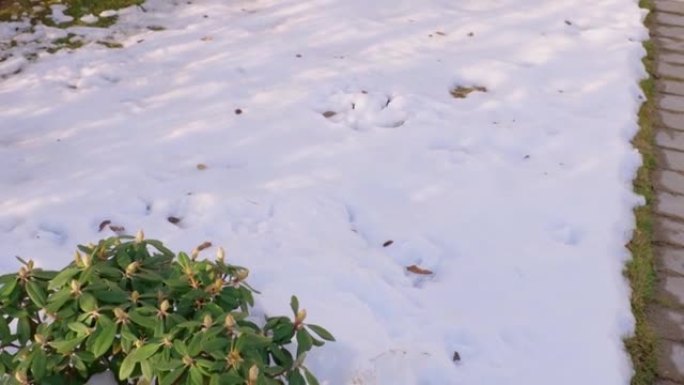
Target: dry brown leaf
(419,270)
(201,166)
(104,224)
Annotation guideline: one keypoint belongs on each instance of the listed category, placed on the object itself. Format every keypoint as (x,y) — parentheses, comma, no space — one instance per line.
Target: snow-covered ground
(303,135)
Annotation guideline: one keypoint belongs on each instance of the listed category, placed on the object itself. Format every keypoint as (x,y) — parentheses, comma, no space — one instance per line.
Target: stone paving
(667,32)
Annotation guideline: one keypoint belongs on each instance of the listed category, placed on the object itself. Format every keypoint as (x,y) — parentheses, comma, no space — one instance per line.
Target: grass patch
(462,92)
(38,11)
(641,269)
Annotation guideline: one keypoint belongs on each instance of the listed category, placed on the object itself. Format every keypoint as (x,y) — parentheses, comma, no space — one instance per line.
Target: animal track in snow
(364,110)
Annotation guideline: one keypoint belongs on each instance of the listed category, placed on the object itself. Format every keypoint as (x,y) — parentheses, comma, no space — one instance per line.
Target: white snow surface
(519,198)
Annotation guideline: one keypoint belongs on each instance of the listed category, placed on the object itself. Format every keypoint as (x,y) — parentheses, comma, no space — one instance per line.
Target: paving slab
(671,6)
(670,205)
(669,231)
(671,119)
(668,70)
(671,86)
(670,181)
(664,18)
(673,287)
(671,57)
(672,102)
(671,360)
(671,260)
(670,139)
(668,323)
(676,33)
(669,44)
(672,160)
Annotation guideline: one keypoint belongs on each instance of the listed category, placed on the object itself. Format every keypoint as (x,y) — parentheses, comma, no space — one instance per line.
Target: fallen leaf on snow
(419,270)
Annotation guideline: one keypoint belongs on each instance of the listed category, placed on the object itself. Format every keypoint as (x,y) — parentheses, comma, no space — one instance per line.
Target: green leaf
(144,352)
(106,331)
(57,300)
(8,288)
(87,302)
(304,342)
(173,376)
(321,332)
(5,333)
(180,347)
(24,330)
(62,278)
(294,304)
(127,367)
(79,328)
(39,364)
(146,368)
(294,377)
(66,346)
(167,365)
(196,377)
(146,321)
(43,274)
(310,379)
(231,378)
(281,355)
(283,332)
(36,294)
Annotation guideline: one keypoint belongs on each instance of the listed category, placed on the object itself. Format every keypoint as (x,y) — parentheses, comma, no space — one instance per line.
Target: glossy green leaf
(294,377)
(57,300)
(66,346)
(38,364)
(304,342)
(127,367)
(87,302)
(144,352)
(24,329)
(196,376)
(105,333)
(173,376)
(321,332)
(36,293)
(294,304)
(62,278)
(310,378)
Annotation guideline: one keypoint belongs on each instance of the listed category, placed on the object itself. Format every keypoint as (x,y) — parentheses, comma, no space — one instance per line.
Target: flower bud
(139,236)
(39,338)
(132,268)
(164,306)
(87,260)
(301,316)
(194,254)
(75,287)
(221,254)
(207,321)
(241,274)
(253,374)
(21,378)
(229,322)
(121,316)
(78,259)
(135,296)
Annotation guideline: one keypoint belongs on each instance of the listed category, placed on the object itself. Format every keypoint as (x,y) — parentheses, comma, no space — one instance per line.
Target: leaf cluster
(133,307)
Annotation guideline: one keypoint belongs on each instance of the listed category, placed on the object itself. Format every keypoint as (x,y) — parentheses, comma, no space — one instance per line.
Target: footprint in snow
(364,110)
(566,234)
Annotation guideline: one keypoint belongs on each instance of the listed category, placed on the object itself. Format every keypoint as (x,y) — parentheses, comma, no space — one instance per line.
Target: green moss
(641,269)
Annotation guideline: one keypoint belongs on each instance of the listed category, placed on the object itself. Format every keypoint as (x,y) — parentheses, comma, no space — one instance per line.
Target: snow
(89,19)
(519,198)
(58,15)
